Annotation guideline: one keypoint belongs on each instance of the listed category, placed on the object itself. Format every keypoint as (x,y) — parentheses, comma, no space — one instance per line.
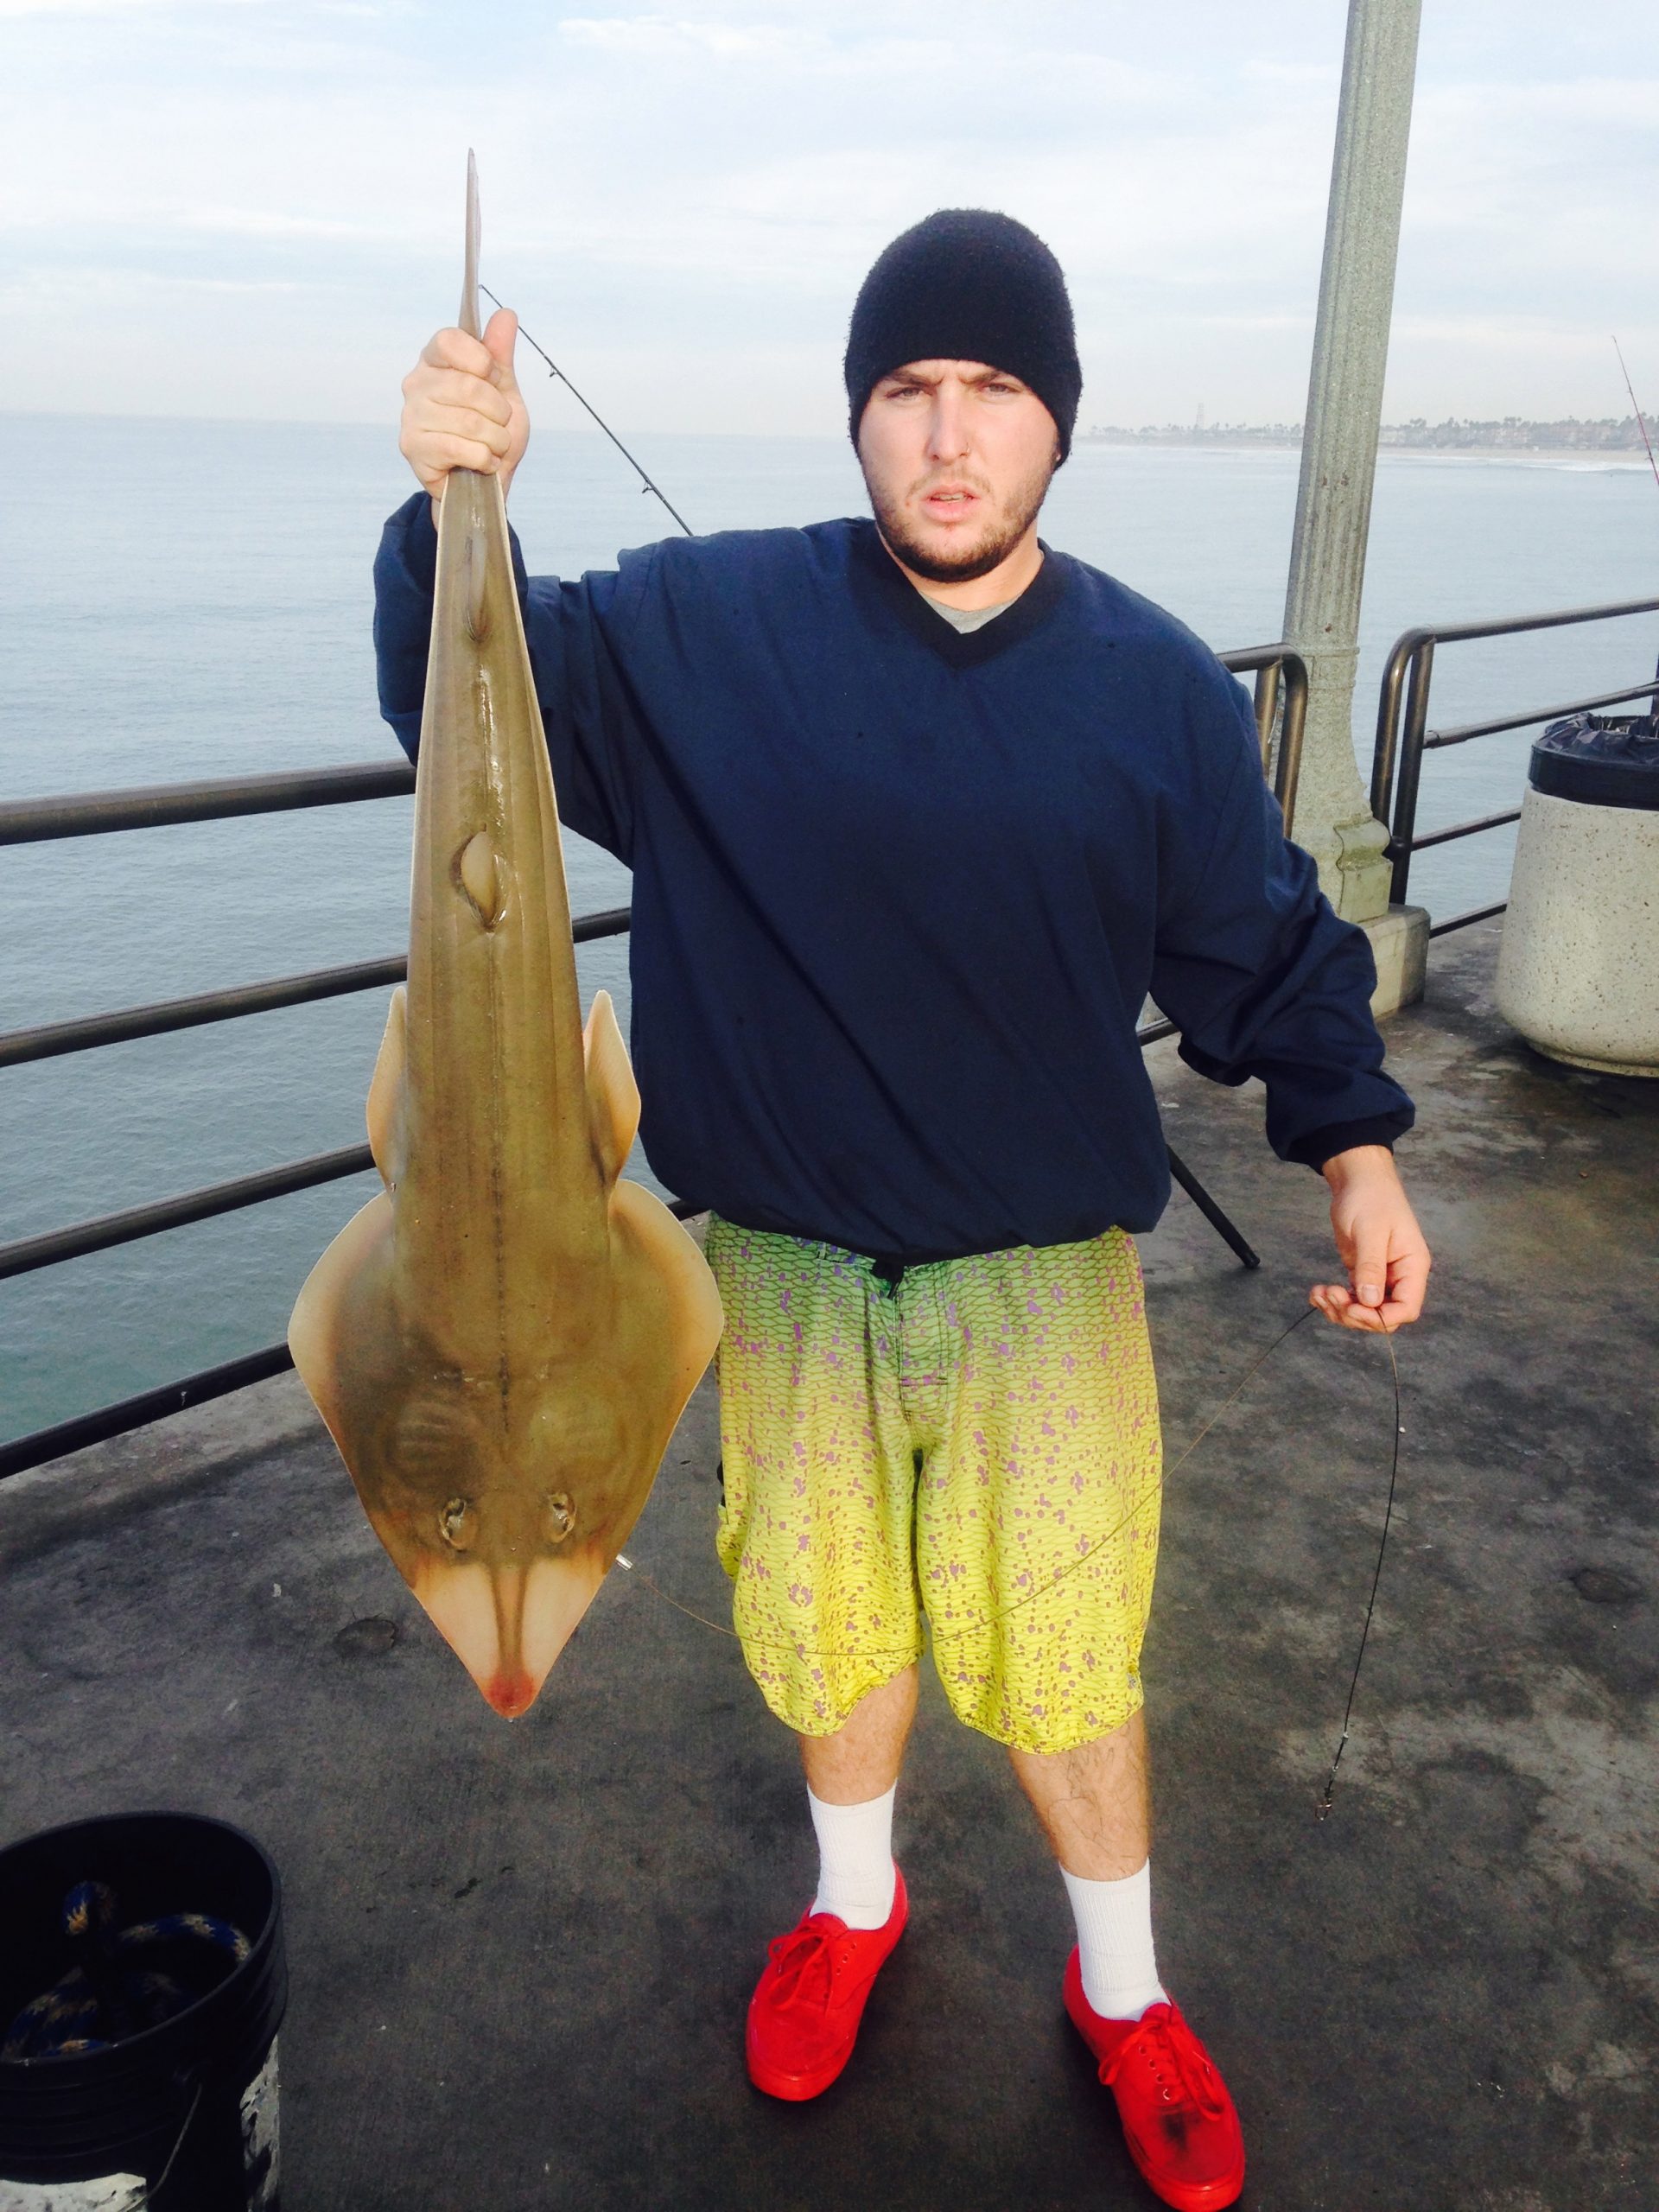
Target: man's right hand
(462,407)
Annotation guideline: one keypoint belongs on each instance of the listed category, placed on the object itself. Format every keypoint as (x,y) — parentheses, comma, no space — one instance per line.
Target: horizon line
(1286,432)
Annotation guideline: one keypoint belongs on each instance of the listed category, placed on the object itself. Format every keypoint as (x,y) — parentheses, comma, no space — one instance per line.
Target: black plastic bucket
(181,2118)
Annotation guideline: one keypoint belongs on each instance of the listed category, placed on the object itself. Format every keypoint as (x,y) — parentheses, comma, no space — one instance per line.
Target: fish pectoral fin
(613,1094)
(338,1294)
(683,1341)
(388,1138)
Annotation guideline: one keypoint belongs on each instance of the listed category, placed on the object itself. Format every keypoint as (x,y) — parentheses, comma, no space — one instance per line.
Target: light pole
(1333,506)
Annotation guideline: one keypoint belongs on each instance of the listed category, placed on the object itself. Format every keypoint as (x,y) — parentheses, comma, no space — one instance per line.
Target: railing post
(1386,745)
(1344,405)
(1408,774)
(1267,709)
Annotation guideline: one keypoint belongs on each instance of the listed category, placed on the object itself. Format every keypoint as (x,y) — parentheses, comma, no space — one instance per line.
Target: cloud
(59,8)
(676,196)
(667,38)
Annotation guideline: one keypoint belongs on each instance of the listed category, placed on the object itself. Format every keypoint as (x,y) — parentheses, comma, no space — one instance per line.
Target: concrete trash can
(1578,974)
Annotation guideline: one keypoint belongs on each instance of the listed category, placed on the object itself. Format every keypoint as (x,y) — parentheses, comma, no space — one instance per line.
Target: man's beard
(1005,529)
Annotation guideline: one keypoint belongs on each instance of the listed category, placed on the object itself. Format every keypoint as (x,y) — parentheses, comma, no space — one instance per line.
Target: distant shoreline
(1619,438)
(1233,438)
(1624,455)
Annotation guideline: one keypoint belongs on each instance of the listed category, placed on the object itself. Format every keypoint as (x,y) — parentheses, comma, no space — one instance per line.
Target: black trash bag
(1598,760)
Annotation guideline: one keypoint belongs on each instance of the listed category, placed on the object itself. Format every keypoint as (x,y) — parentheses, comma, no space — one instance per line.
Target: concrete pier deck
(521,1955)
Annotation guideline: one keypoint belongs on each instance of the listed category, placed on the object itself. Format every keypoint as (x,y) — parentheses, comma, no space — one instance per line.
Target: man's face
(957,458)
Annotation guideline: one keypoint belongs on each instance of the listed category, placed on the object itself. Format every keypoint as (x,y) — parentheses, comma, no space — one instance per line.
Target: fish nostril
(458,1524)
(558,1516)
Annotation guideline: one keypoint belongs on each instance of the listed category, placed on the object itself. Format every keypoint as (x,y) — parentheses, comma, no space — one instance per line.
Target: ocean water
(185,600)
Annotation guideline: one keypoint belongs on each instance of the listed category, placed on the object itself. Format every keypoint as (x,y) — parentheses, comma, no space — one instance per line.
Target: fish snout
(510,1688)
(508,1622)
(479,1608)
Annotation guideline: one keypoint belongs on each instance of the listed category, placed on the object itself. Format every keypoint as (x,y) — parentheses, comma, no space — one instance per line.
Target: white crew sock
(1120,1974)
(855,1870)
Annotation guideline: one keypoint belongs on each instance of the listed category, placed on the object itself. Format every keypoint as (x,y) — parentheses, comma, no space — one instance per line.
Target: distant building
(1458,434)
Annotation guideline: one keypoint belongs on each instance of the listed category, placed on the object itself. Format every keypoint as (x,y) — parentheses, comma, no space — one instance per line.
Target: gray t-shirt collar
(967,618)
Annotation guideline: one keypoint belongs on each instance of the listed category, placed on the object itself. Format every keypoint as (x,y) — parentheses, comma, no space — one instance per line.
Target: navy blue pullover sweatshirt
(900,892)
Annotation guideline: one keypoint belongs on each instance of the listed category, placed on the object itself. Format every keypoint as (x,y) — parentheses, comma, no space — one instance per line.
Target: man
(918,812)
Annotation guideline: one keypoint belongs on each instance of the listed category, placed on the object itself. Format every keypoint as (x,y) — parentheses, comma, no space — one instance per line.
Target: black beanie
(967,285)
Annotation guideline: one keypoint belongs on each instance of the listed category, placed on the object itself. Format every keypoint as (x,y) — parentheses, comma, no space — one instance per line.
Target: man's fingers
(466,453)
(500,336)
(453,349)
(434,456)
(1337,1303)
(1381,1248)
(455,388)
(1369,1272)
(427,391)
(426,423)
(1408,1283)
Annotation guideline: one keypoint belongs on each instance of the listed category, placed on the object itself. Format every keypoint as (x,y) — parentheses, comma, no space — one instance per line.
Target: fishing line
(795,1649)
(1323,1805)
(1641,422)
(557,373)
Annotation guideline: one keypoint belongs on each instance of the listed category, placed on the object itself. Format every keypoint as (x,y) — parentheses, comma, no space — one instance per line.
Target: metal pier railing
(1281,696)
(1397,759)
(1280,699)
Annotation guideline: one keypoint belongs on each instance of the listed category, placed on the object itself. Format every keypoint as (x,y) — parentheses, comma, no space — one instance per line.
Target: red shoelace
(1175,2057)
(805,1972)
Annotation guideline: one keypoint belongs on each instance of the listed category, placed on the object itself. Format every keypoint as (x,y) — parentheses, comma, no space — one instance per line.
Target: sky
(252,208)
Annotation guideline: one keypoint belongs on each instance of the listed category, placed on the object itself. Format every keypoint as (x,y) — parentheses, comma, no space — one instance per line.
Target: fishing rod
(1641,422)
(647,484)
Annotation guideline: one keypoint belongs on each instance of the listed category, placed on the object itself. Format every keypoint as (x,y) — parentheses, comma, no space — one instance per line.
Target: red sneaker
(803,2016)
(1179,2120)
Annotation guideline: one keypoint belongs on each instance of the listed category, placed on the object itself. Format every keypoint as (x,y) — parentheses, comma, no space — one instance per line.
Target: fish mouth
(511,1691)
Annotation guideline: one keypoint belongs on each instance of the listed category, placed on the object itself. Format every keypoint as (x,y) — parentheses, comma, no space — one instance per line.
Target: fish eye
(558,1516)
(458,1524)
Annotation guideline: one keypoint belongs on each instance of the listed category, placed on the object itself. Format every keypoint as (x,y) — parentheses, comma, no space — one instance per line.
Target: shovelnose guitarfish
(501,1341)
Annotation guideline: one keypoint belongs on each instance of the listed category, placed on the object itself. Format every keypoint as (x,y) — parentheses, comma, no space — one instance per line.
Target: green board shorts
(978,1442)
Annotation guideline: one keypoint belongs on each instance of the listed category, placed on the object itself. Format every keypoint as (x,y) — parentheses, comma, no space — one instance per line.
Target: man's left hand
(1377,1241)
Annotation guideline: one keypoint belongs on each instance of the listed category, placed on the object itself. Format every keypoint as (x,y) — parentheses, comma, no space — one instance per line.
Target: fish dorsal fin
(613,1094)
(388,1093)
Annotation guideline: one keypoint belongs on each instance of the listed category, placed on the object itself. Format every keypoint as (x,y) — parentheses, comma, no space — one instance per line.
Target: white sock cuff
(884,1804)
(1115,1945)
(855,1871)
